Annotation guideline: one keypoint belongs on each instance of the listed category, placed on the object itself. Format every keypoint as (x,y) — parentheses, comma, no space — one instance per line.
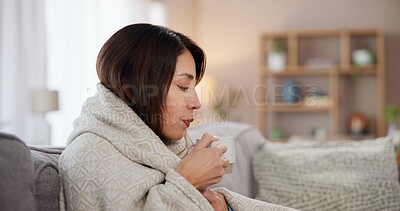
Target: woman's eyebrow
(190,76)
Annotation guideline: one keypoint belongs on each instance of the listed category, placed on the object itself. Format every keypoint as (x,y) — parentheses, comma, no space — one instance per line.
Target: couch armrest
(46,179)
(16,173)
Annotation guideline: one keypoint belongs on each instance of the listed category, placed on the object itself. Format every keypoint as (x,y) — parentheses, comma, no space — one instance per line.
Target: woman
(127,150)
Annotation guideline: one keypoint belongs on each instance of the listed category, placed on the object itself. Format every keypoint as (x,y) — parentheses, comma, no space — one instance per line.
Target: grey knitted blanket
(337,175)
(114,161)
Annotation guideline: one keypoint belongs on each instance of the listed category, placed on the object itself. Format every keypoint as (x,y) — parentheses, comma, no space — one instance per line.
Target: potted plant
(277,55)
(392,117)
(362,58)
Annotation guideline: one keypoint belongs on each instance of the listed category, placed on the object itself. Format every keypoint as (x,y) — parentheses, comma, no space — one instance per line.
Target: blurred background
(48,50)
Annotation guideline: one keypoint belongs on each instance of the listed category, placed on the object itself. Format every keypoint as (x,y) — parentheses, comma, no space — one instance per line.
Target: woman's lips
(187,122)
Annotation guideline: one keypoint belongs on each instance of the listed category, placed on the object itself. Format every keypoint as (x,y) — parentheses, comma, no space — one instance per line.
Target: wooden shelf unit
(294,108)
(334,77)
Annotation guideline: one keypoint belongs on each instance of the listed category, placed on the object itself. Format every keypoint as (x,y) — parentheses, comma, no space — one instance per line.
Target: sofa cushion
(336,175)
(46,179)
(16,186)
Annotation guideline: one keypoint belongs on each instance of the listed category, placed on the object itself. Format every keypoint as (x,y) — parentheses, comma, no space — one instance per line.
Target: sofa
(29,174)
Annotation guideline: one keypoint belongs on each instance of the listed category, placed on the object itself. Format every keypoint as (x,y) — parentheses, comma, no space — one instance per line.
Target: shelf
(275,35)
(339,137)
(305,71)
(283,108)
(366,72)
(321,62)
(282,140)
(372,69)
(318,33)
(364,32)
(289,73)
(300,71)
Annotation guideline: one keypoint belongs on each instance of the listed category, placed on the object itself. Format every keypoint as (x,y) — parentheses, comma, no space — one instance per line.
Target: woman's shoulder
(91,167)
(91,152)
(87,147)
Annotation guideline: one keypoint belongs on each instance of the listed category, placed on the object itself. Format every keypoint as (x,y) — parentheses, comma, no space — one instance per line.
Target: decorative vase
(362,57)
(276,61)
(358,124)
(276,134)
(291,92)
(396,138)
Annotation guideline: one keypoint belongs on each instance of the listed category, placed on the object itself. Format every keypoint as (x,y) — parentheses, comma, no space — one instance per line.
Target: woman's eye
(183,88)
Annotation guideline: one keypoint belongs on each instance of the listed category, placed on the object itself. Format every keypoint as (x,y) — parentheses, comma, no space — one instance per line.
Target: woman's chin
(176,138)
(175,134)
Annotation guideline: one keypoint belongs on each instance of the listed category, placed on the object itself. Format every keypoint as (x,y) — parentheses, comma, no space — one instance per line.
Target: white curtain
(53,44)
(22,63)
(76,30)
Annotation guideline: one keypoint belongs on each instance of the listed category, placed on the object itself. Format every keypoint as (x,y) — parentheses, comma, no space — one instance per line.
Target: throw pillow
(337,175)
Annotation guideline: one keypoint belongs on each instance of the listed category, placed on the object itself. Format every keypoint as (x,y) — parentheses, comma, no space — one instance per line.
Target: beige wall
(229,32)
(181,16)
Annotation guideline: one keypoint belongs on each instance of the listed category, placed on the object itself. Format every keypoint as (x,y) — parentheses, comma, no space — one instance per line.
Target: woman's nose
(194,102)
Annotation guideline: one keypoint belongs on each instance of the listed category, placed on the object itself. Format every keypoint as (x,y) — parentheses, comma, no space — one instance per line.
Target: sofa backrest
(42,182)
(29,176)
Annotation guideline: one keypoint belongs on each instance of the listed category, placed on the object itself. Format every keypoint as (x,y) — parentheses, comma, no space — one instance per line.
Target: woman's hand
(216,199)
(204,166)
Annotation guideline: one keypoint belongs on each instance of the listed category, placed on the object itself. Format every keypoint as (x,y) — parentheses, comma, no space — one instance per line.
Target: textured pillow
(46,179)
(337,175)
(16,173)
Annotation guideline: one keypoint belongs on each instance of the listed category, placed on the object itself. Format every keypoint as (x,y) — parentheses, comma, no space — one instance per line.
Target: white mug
(230,153)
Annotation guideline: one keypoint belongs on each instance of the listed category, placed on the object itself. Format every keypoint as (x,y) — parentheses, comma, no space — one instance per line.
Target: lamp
(43,101)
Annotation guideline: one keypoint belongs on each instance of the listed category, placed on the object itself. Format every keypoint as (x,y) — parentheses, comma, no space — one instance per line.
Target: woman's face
(182,98)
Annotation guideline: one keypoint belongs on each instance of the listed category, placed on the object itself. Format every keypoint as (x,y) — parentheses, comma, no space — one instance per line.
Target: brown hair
(138,63)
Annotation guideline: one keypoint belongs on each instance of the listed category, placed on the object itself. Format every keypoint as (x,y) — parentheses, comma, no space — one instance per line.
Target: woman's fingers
(216,200)
(208,194)
(204,165)
(226,162)
(206,141)
(222,147)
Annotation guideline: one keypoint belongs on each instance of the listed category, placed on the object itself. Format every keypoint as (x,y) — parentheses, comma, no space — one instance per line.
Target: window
(76,30)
